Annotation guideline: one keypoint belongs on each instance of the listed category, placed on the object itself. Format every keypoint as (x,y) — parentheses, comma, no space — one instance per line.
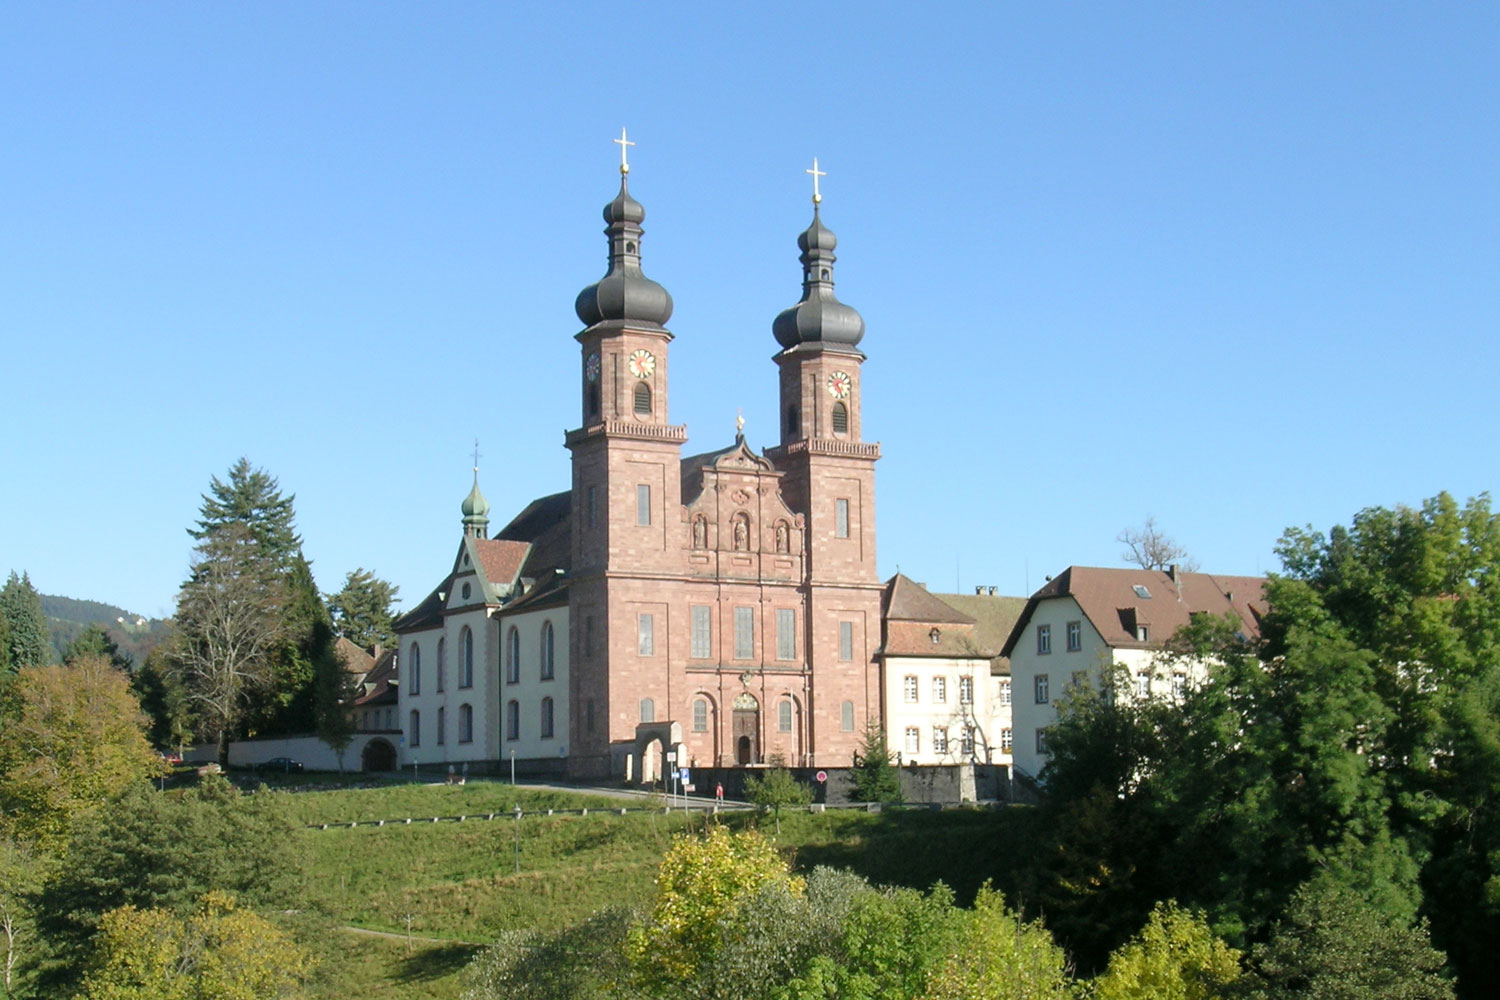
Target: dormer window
(1142,633)
(936,635)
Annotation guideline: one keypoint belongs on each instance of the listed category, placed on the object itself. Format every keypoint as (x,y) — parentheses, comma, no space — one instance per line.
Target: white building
(945,689)
(1087,623)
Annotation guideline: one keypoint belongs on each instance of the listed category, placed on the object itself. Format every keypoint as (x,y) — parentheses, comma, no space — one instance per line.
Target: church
(722,606)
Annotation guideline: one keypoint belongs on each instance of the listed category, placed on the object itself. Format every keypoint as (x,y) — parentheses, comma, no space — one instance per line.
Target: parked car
(283,764)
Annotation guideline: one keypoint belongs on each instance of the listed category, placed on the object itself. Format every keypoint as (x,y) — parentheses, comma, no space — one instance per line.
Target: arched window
(846,717)
(700,715)
(414,671)
(793,421)
(442,667)
(546,718)
(466,652)
(547,651)
(648,710)
(642,398)
(414,729)
(784,715)
(513,720)
(465,723)
(840,418)
(442,732)
(513,656)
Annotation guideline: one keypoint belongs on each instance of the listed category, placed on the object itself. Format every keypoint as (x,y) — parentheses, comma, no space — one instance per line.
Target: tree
(362,611)
(586,960)
(1150,548)
(165,699)
(1332,945)
(165,851)
(220,951)
(21,606)
(252,498)
(701,881)
(229,626)
(777,788)
(875,777)
(95,641)
(1174,957)
(21,875)
(73,740)
(998,956)
(336,691)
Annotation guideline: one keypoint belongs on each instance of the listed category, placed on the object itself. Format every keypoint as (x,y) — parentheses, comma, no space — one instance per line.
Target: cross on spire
(816,173)
(476,456)
(624,143)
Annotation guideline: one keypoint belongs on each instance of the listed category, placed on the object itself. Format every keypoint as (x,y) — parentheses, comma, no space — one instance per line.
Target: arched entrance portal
(653,741)
(379,755)
(746,731)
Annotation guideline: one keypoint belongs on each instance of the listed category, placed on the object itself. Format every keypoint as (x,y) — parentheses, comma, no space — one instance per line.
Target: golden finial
(816,173)
(739,422)
(623,143)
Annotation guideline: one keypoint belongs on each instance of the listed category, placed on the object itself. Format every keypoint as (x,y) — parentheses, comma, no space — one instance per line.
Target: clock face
(642,364)
(839,384)
(591,368)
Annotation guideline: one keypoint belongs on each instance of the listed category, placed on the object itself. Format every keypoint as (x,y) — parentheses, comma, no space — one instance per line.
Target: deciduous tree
(230,625)
(1150,548)
(1174,957)
(776,788)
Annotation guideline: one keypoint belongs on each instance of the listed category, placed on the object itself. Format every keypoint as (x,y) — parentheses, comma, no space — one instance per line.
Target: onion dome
(820,318)
(476,511)
(624,293)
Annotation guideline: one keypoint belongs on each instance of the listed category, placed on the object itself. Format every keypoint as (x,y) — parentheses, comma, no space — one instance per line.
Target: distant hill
(67,617)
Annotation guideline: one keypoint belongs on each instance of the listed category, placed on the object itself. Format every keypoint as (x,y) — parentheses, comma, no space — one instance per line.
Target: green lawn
(457,881)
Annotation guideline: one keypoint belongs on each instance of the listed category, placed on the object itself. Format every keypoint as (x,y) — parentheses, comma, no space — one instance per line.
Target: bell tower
(627,482)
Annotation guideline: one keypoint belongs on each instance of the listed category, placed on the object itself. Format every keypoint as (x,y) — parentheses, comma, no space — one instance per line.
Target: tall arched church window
(513,656)
(648,710)
(547,718)
(840,418)
(548,648)
(442,666)
(700,715)
(513,720)
(414,729)
(466,658)
(465,723)
(642,398)
(784,715)
(442,727)
(414,671)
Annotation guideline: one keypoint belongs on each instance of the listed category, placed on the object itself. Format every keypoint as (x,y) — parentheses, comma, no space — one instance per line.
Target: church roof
(1116,601)
(500,558)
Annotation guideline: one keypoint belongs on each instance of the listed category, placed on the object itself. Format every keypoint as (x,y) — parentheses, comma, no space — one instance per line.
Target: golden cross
(623,143)
(816,173)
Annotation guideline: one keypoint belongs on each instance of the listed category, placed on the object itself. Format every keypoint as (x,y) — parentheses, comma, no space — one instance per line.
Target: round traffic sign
(822,776)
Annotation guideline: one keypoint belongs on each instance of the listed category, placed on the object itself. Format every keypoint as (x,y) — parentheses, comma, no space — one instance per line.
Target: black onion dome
(820,317)
(624,293)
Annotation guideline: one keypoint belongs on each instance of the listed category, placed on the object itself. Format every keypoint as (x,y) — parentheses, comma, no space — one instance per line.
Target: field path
(401,936)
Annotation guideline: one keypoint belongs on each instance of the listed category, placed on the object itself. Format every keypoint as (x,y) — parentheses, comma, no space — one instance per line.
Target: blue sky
(1232,265)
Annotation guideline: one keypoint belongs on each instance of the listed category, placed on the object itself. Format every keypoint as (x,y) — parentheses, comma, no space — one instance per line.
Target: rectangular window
(593,506)
(647,638)
(1079,676)
(841,518)
(846,717)
(1142,633)
(744,633)
(939,692)
(1044,639)
(1007,741)
(913,740)
(786,634)
(966,690)
(1179,685)
(1041,741)
(703,643)
(967,746)
(1075,636)
(642,504)
(1143,684)
(846,641)
(939,739)
(909,690)
(1041,689)
(1005,692)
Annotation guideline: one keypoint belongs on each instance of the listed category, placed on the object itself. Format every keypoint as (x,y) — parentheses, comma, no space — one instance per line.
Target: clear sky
(1233,265)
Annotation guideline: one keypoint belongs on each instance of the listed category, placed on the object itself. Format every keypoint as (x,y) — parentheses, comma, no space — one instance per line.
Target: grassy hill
(67,617)
(457,885)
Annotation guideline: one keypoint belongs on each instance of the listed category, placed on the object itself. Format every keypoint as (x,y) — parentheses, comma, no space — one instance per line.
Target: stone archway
(745,733)
(669,737)
(378,755)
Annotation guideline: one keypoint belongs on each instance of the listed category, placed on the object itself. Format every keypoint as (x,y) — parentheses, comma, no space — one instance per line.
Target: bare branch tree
(1149,548)
(230,623)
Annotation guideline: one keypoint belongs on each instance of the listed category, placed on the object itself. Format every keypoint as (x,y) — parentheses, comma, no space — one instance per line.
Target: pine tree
(875,777)
(252,497)
(95,641)
(20,604)
(362,611)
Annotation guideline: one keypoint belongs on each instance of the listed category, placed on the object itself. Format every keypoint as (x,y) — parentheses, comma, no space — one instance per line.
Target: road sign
(822,776)
(685,778)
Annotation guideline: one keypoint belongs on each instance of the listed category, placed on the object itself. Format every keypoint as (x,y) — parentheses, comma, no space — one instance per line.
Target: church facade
(724,606)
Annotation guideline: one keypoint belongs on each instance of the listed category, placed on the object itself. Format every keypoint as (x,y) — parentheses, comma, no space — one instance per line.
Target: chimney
(1172,572)
(992,591)
(978,590)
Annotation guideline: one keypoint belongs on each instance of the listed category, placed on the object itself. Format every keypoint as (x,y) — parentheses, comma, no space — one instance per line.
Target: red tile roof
(501,559)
